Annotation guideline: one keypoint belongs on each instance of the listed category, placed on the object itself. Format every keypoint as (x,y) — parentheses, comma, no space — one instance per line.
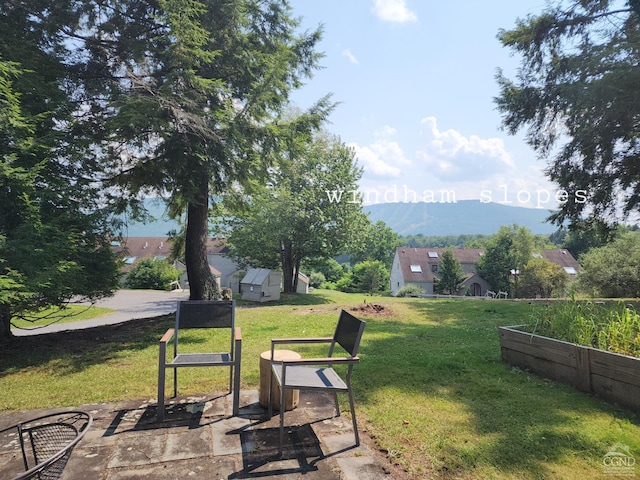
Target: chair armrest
(238,335)
(167,336)
(279,341)
(319,361)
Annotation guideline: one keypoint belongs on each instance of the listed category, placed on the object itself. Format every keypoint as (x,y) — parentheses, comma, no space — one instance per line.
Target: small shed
(261,285)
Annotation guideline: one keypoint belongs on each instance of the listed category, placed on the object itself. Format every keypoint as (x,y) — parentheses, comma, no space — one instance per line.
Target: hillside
(429,219)
(463,217)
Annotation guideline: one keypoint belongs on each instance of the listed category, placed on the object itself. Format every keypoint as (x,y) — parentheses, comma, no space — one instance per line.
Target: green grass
(431,389)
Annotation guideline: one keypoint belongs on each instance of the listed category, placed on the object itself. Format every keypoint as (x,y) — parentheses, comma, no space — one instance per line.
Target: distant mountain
(459,218)
(429,219)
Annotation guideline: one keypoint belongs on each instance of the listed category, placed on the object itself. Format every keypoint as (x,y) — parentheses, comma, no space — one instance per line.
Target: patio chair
(46,442)
(318,373)
(203,314)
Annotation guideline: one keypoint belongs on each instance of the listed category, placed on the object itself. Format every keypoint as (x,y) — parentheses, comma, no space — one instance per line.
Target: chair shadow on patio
(205,431)
(260,450)
(190,412)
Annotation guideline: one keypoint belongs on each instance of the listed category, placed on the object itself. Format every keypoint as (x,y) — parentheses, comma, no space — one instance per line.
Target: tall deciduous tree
(509,249)
(578,97)
(296,217)
(378,242)
(543,278)
(614,269)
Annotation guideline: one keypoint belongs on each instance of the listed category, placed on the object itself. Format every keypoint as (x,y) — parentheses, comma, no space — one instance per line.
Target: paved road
(128,305)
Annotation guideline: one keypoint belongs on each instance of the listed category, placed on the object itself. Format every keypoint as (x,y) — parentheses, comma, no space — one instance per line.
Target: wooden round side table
(292,397)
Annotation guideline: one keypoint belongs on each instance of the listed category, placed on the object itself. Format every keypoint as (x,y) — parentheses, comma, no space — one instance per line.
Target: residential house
(420,266)
(134,249)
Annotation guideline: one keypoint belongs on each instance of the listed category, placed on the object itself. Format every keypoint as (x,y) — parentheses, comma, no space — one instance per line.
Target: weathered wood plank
(615,366)
(538,346)
(609,375)
(540,366)
(621,393)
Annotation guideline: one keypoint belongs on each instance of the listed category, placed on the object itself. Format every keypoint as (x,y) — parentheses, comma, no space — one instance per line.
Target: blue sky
(416,80)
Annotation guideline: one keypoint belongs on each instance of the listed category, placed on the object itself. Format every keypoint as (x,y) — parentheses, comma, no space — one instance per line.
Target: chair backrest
(348,333)
(205,314)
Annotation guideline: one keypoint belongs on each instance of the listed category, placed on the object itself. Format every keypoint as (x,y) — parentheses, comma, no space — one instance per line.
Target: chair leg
(335,400)
(236,386)
(175,382)
(270,397)
(161,383)
(282,410)
(353,418)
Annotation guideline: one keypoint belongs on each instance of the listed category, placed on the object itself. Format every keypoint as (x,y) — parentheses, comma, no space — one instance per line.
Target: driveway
(128,305)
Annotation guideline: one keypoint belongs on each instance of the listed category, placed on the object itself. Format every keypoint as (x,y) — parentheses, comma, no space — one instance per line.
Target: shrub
(410,290)
(316,279)
(152,274)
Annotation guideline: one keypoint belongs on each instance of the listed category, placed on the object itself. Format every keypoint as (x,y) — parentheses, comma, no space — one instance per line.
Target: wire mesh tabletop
(46,442)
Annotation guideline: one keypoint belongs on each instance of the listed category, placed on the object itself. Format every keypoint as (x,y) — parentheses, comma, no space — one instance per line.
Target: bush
(410,290)
(152,274)
(370,277)
(613,270)
(316,279)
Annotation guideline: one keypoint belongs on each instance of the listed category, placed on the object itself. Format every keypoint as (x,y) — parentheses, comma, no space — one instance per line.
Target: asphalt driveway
(128,305)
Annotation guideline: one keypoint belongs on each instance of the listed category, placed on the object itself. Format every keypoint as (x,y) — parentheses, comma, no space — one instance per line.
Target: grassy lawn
(431,389)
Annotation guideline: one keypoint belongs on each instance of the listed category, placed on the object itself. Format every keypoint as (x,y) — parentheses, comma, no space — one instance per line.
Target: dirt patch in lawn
(365,308)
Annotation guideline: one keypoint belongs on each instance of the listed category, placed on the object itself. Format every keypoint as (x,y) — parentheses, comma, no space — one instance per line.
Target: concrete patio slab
(200,439)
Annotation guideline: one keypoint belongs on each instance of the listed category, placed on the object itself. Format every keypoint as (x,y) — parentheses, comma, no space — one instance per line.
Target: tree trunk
(5,321)
(296,271)
(202,283)
(287,266)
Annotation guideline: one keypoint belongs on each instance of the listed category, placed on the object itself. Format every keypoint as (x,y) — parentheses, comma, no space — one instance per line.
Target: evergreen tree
(578,97)
(450,274)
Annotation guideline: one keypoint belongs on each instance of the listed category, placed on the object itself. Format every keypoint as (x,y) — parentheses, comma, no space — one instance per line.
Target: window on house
(434,267)
(416,269)
(433,254)
(570,270)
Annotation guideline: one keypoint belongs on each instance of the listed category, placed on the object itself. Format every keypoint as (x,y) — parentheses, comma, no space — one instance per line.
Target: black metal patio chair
(46,442)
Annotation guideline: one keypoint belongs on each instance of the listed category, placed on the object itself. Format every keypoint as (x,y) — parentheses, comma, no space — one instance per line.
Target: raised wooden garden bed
(609,375)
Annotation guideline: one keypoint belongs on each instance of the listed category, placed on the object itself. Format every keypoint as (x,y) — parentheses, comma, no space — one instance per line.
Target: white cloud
(383,157)
(352,58)
(394,11)
(450,155)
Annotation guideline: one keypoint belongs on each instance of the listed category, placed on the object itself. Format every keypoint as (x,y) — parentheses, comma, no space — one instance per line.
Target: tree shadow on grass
(78,349)
(519,424)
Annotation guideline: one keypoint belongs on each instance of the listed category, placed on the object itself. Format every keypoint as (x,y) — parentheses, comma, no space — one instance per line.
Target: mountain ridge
(464,217)
(471,217)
